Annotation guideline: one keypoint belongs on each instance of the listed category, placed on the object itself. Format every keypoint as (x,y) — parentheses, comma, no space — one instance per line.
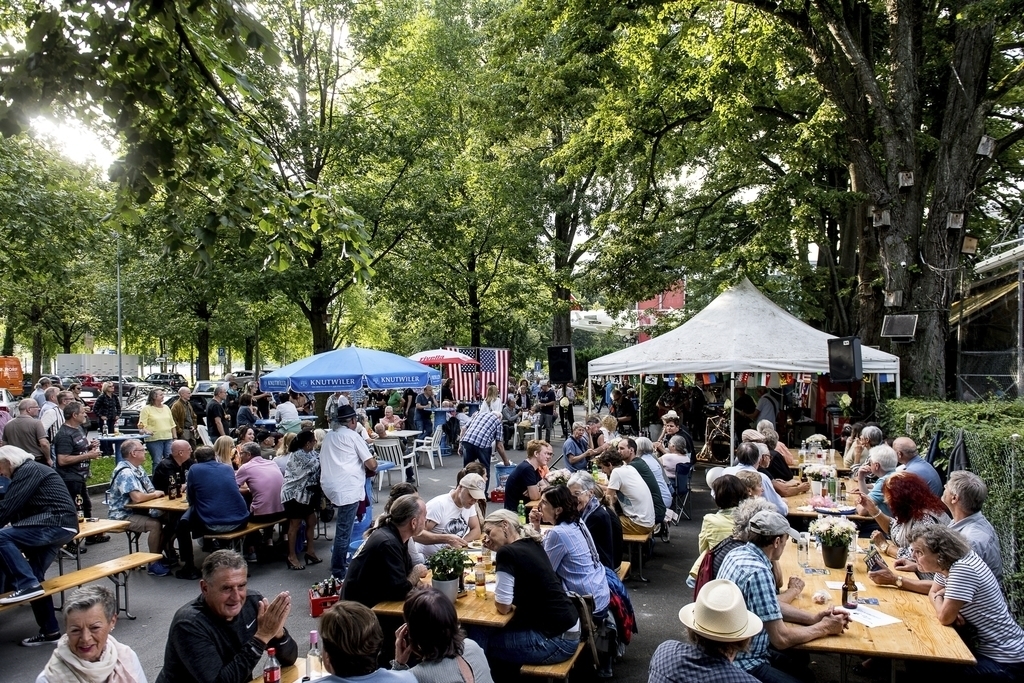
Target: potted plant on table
(446,567)
(816,474)
(834,535)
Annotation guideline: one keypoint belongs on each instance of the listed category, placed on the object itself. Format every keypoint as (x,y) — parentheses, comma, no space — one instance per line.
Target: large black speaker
(844,363)
(562,364)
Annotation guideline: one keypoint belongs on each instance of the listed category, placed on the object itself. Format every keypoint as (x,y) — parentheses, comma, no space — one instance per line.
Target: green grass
(102,468)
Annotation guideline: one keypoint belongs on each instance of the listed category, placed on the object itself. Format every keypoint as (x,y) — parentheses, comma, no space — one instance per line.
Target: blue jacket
(213,494)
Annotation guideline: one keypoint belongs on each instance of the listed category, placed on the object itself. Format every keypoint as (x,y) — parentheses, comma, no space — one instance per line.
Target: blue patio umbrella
(350,369)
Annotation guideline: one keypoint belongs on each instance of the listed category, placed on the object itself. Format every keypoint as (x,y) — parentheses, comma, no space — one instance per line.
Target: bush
(992,436)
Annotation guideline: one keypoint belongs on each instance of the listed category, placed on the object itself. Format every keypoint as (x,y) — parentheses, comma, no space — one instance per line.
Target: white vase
(448,588)
(815,488)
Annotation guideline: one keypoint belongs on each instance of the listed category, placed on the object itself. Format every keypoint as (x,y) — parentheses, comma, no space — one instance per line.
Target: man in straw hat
(719,627)
(785,626)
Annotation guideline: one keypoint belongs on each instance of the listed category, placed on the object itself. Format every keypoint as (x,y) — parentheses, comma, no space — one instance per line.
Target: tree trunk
(473,297)
(8,345)
(250,352)
(561,326)
(37,352)
(204,314)
(319,318)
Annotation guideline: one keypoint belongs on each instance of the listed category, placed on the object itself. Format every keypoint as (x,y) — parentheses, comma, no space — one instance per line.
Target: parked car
(94,382)
(88,398)
(8,403)
(28,384)
(202,392)
(167,379)
(129,420)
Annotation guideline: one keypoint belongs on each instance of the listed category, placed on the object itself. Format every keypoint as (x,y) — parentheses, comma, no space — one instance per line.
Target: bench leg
(120,581)
(640,560)
(133,541)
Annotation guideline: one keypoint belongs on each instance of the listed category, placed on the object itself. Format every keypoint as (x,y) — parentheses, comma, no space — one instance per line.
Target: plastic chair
(681,499)
(430,447)
(390,455)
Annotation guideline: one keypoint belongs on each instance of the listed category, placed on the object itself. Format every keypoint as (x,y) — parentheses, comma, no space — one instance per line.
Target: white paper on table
(871,617)
(838,585)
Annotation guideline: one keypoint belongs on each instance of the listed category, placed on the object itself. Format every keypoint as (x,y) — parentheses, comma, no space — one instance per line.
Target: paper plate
(840,510)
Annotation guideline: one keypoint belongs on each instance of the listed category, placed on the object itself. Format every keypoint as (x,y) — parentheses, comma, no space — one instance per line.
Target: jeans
(158,450)
(40,545)
(345,517)
(546,422)
(986,669)
(473,453)
(517,646)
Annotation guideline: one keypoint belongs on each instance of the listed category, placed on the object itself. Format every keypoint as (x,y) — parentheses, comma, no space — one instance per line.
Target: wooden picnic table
(470,608)
(87,528)
(163,504)
(803,500)
(835,458)
(918,635)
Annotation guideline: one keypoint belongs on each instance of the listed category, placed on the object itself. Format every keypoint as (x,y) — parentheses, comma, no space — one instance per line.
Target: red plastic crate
(318,605)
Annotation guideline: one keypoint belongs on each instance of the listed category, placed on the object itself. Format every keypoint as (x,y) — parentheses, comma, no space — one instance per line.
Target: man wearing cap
(719,627)
(750,568)
(451,517)
(345,462)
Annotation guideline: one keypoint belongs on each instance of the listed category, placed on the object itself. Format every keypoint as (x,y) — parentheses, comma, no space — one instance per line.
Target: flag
(469,382)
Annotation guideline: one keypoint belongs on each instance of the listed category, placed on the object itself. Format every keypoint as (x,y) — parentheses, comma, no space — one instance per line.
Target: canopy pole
(897,384)
(590,395)
(639,411)
(732,418)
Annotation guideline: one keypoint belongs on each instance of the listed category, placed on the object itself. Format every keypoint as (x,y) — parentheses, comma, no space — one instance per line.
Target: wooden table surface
(163,504)
(918,636)
(290,674)
(836,460)
(804,499)
(100,526)
(470,608)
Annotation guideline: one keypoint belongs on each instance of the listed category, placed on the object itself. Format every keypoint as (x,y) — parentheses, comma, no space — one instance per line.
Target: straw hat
(720,613)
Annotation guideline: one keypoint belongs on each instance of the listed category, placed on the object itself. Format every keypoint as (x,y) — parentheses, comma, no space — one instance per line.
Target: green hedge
(993,432)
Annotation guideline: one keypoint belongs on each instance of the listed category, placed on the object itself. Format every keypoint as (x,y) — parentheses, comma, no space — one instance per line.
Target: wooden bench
(237,537)
(623,570)
(553,672)
(638,540)
(117,570)
(87,529)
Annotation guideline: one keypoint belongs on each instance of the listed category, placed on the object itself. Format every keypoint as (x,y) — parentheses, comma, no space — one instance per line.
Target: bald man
(910,461)
(27,432)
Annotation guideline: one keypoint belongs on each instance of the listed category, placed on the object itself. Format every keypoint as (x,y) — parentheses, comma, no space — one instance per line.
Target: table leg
(892,671)
(843,664)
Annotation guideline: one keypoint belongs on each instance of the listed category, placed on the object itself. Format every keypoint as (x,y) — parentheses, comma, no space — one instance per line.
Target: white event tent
(740,331)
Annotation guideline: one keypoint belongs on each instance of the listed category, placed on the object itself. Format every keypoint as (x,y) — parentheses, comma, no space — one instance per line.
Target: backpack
(712,562)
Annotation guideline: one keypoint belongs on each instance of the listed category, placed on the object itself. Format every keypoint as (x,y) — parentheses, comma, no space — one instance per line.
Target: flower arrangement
(819,439)
(817,472)
(834,531)
(822,501)
(447,564)
(558,477)
(845,402)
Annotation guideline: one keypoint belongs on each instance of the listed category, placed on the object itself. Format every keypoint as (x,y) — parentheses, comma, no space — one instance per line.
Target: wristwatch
(899,582)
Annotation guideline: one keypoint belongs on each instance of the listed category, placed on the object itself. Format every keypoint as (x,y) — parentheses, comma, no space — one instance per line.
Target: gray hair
(582,479)
(14,456)
(873,434)
(27,404)
(402,510)
(947,544)
(222,559)
(762,425)
(252,449)
(575,425)
(51,394)
(747,454)
(85,598)
(129,445)
(744,511)
(969,488)
(884,455)
(678,444)
(643,445)
(771,437)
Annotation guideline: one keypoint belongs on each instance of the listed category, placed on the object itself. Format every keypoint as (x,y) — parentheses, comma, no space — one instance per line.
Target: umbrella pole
(732,418)
(590,395)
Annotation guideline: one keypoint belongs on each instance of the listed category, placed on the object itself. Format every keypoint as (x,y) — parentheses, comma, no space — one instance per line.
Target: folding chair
(681,498)
(430,447)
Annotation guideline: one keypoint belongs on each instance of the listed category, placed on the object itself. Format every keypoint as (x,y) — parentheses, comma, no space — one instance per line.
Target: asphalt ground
(154,600)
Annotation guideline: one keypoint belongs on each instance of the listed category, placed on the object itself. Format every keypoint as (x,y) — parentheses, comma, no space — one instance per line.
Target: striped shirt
(750,569)
(999,637)
(37,496)
(484,430)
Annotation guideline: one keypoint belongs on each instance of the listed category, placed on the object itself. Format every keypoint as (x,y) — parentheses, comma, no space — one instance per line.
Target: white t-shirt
(287,411)
(449,519)
(634,496)
(494,406)
(342,476)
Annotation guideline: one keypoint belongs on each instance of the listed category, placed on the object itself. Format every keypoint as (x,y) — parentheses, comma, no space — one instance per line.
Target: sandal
(294,567)
(312,560)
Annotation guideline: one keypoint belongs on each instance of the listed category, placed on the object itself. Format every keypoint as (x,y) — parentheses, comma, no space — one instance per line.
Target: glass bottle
(480,577)
(314,667)
(521,511)
(849,589)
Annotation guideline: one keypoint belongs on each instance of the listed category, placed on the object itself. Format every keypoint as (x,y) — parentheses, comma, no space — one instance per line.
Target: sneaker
(74,547)
(251,557)
(188,573)
(23,595)
(93,540)
(41,639)
(158,569)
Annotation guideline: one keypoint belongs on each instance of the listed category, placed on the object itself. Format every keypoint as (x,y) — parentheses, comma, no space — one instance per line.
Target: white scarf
(67,667)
